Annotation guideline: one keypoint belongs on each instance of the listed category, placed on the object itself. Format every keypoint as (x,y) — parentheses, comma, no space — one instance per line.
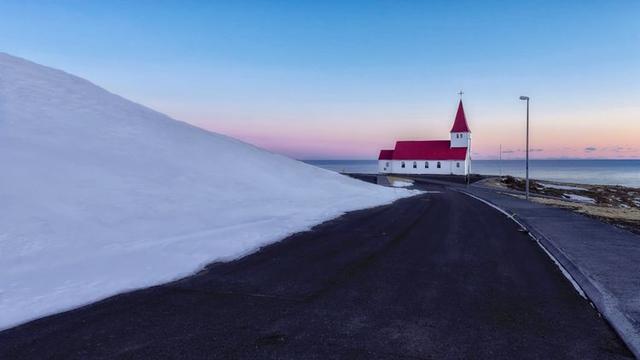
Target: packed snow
(580,198)
(401,183)
(562,187)
(101,195)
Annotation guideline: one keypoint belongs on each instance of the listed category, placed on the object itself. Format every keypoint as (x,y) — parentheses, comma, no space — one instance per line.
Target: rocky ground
(617,205)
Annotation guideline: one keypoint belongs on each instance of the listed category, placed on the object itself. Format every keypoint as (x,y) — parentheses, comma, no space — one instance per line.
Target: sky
(344,79)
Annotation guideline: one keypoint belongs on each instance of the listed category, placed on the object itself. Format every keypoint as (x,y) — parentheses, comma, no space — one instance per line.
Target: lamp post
(527,151)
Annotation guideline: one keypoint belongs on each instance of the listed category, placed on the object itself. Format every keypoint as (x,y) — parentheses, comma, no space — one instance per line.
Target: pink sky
(318,80)
(555,133)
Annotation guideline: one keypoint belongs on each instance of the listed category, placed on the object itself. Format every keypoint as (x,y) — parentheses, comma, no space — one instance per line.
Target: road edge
(601,300)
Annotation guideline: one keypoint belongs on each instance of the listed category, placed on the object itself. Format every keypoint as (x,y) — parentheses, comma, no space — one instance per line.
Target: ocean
(604,172)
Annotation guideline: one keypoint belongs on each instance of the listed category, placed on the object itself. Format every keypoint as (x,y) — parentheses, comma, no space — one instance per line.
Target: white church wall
(460,139)
(468,163)
(459,167)
(447,167)
(384,166)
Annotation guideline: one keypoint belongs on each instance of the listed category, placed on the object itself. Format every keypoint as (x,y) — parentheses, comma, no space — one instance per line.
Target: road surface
(440,275)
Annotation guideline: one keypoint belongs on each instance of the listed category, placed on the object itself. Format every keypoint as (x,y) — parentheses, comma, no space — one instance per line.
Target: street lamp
(527,153)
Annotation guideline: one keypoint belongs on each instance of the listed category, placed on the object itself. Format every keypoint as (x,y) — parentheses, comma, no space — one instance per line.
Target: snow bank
(580,198)
(562,187)
(402,183)
(101,195)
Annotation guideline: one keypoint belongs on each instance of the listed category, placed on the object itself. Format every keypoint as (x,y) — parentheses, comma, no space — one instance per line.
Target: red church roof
(460,123)
(386,155)
(424,150)
(428,150)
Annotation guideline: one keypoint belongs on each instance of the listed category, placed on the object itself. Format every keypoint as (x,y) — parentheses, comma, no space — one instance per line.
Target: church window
(426,164)
(415,166)
(403,164)
(439,166)
(387,165)
(457,164)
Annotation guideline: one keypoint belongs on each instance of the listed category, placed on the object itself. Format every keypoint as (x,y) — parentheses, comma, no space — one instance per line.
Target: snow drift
(100,195)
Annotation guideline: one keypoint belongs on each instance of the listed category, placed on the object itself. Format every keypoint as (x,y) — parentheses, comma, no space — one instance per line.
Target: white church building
(445,157)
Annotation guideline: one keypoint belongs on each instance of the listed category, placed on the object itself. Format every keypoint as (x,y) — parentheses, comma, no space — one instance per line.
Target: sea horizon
(623,172)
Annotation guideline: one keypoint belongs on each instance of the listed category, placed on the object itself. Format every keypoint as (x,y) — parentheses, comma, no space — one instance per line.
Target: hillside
(100,195)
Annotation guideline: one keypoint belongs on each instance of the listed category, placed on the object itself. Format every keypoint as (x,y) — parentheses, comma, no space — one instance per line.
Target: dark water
(607,172)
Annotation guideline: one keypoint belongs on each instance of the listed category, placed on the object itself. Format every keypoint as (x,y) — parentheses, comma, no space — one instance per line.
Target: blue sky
(344,79)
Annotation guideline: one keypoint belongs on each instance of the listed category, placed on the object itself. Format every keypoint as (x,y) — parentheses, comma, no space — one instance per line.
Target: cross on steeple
(460,93)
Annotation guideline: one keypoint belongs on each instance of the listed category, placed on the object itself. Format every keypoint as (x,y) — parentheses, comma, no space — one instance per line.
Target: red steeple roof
(460,123)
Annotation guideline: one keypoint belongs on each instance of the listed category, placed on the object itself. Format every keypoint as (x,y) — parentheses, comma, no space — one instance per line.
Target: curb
(606,304)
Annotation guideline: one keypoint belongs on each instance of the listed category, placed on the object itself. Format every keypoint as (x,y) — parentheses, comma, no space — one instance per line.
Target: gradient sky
(343,79)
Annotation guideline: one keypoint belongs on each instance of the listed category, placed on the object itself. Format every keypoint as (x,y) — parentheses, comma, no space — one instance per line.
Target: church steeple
(460,123)
(460,133)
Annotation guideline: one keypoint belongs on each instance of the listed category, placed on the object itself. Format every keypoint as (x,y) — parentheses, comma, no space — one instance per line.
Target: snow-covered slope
(99,195)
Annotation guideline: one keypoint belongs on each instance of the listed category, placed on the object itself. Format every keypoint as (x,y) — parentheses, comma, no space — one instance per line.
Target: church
(445,157)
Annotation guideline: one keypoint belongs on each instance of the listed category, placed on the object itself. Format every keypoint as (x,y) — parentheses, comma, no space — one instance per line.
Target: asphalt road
(435,276)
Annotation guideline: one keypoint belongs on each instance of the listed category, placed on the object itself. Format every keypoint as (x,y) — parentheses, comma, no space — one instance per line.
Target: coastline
(623,172)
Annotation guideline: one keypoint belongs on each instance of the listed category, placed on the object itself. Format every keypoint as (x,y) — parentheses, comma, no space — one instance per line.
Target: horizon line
(496,159)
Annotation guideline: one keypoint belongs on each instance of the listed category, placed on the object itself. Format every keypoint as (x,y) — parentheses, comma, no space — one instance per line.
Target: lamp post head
(524,98)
